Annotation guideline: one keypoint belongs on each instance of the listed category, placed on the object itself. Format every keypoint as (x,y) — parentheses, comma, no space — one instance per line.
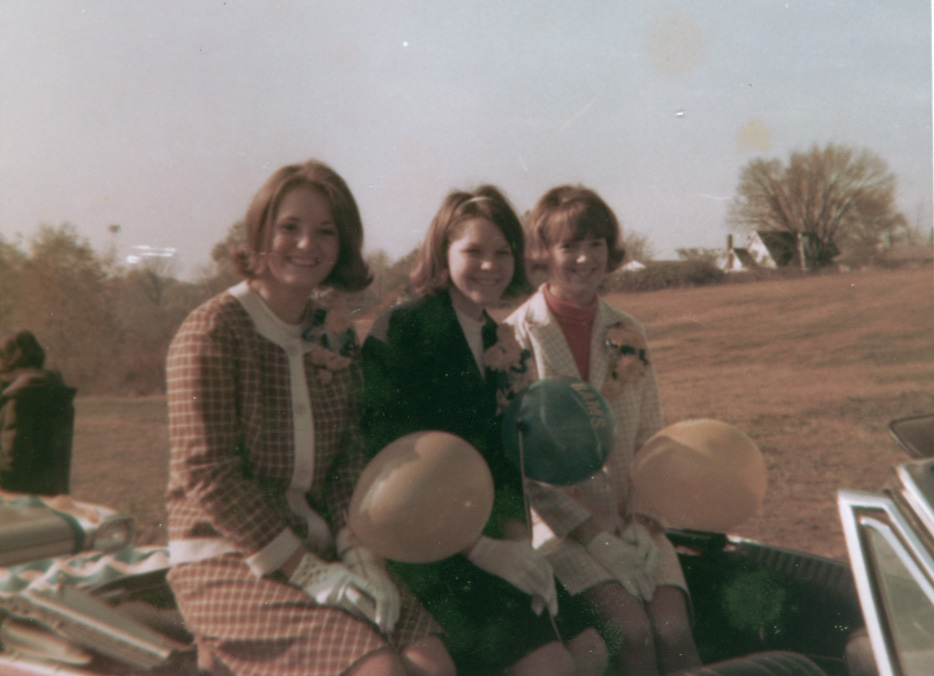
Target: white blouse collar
(267,323)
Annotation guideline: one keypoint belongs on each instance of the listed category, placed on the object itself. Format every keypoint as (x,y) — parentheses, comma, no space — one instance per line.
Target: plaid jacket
(606,496)
(264,454)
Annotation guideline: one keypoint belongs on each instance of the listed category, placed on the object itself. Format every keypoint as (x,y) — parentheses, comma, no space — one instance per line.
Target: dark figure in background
(37,418)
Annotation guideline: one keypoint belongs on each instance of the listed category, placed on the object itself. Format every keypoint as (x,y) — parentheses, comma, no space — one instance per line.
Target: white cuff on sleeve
(272,556)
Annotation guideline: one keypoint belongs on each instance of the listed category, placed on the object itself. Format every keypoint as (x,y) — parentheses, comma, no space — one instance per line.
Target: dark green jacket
(420,374)
(37,418)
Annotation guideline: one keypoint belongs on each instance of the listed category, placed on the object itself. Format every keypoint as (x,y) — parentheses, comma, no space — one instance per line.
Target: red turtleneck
(576,322)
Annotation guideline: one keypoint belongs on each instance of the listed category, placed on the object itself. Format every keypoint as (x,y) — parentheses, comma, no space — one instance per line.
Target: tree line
(107,327)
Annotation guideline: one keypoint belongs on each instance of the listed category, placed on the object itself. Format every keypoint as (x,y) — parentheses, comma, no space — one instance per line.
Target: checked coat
(265,454)
(607,495)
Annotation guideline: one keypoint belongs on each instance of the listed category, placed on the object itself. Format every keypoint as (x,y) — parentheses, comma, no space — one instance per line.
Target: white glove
(638,535)
(361,561)
(516,562)
(627,562)
(333,584)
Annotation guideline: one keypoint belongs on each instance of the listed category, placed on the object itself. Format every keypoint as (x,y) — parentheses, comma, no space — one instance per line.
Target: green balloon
(559,429)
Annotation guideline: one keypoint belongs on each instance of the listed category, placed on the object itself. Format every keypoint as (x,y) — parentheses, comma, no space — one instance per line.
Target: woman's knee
(382,662)
(428,656)
(669,615)
(671,625)
(551,659)
(589,652)
(672,635)
(620,618)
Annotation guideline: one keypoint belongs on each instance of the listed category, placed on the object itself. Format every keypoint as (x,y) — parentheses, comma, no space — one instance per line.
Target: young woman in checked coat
(263,389)
(605,552)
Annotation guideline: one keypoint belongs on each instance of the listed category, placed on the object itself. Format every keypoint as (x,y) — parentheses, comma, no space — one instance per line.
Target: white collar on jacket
(289,338)
(267,324)
(544,328)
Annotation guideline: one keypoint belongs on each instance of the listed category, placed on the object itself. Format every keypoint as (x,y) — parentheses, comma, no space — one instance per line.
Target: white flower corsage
(628,358)
(334,337)
(506,360)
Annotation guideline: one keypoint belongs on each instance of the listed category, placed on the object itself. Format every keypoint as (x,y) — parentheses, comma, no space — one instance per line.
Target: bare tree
(821,200)
(65,298)
(220,274)
(638,247)
(153,275)
(11,262)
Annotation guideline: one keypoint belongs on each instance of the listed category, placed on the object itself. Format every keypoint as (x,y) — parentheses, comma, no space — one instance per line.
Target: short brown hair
(575,212)
(350,272)
(430,269)
(21,349)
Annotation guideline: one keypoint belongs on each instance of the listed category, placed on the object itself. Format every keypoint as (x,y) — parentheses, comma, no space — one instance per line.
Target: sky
(166,117)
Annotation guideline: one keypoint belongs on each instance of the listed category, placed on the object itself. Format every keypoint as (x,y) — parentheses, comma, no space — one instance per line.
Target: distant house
(774,249)
(754,255)
(633,266)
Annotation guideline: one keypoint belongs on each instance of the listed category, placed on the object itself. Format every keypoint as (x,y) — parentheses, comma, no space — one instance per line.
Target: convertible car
(77,600)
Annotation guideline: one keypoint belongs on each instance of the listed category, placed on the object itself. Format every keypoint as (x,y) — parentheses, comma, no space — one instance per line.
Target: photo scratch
(577,115)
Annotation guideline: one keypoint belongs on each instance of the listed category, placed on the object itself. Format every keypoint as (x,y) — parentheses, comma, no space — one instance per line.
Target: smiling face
(576,268)
(303,248)
(480,266)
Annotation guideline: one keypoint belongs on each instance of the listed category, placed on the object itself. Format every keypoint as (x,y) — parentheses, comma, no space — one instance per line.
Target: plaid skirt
(247,625)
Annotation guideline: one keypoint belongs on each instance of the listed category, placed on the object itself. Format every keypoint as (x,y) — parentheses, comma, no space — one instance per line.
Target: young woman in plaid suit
(425,369)
(604,551)
(263,388)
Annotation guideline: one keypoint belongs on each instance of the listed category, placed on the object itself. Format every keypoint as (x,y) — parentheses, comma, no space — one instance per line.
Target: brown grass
(812,369)
(121,459)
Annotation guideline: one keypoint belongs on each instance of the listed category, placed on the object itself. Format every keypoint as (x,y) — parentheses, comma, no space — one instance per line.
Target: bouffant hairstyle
(573,212)
(350,272)
(20,349)
(430,270)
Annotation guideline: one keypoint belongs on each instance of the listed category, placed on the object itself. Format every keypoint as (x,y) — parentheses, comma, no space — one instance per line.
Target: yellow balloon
(700,474)
(422,498)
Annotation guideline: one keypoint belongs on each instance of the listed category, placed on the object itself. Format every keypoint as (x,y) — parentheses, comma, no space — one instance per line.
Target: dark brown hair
(573,212)
(430,269)
(350,272)
(20,349)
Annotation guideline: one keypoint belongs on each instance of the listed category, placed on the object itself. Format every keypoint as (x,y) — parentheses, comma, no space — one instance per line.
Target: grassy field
(812,369)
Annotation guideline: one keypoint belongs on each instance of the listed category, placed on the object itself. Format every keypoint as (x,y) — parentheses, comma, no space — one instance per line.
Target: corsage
(628,358)
(506,361)
(335,341)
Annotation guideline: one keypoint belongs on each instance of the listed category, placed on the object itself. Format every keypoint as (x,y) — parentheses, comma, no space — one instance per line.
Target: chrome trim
(848,502)
(911,479)
(904,557)
(911,550)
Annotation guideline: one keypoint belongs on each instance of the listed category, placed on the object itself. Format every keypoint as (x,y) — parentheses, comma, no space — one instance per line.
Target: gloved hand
(333,584)
(627,562)
(516,562)
(638,535)
(361,561)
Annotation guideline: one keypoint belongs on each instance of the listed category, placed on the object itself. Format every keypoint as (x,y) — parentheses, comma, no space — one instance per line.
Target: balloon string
(528,516)
(525,495)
